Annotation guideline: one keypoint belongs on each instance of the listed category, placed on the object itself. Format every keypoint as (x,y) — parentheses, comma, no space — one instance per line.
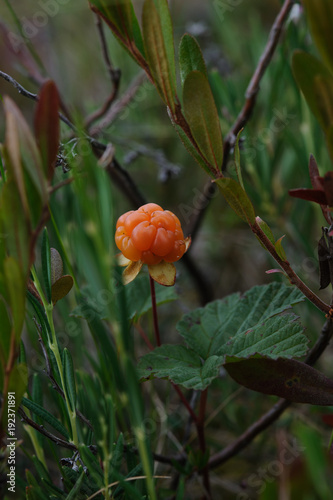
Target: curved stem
(153,303)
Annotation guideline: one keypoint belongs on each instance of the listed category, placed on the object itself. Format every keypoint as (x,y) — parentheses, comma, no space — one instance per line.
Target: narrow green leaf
(180,365)
(47,127)
(120,17)
(202,117)
(45,416)
(91,462)
(158,55)
(308,71)
(237,160)
(286,378)
(41,317)
(320,17)
(163,10)
(237,198)
(46,264)
(279,248)
(266,229)
(69,377)
(191,149)
(190,57)
(74,493)
(15,281)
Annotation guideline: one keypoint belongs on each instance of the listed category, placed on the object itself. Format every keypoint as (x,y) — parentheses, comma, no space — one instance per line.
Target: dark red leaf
(286,378)
(314,173)
(328,187)
(328,419)
(47,127)
(316,195)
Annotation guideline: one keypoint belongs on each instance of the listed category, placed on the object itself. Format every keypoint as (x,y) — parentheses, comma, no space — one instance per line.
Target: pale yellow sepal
(131,271)
(164,273)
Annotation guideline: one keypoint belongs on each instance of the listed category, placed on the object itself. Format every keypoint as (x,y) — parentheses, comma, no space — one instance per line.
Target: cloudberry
(150,235)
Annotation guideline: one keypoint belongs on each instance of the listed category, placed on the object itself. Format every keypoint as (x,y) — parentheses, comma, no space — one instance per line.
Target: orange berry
(129,250)
(121,220)
(177,252)
(150,258)
(150,234)
(133,219)
(149,208)
(163,219)
(164,242)
(143,235)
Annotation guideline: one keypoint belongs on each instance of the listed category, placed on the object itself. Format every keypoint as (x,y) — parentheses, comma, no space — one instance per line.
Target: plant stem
(200,423)
(294,278)
(153,303)
(53,345)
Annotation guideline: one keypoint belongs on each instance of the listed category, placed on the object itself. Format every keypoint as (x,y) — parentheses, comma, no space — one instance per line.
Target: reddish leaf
(47,127)
(328,187)
(309,194)
(328,419)
(286,378)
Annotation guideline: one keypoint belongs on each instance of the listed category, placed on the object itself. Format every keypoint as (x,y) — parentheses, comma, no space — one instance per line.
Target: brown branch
(246,112)
(293,277)
(254,85)
(274,413)
(120,104)
(42,430)
(114,77)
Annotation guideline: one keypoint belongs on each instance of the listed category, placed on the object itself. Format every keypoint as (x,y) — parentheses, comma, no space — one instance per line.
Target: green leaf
(279,336)
(266,230)
(310,73)
(21,148)
(121,18)
(47,128)
(46,264)
(237,198)
(157,37)
(15,281)
(190,57)
(180,365)
(69,377)
(212,330)
(320,18)
(61,287)
(202,117)
(191,149)
(45,416)
(56,266)
(74,493)
(138,297)
(286,378)
(42,319)
(279,248)
(237,160)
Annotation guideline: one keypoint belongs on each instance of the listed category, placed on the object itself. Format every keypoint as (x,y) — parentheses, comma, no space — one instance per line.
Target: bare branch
(274,413)
(254,85)
(114,77)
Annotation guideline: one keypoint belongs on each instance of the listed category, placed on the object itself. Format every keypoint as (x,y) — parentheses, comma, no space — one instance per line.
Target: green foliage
(202,117)
(235,326)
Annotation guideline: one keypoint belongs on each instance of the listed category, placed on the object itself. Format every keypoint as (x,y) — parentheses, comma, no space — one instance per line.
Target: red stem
(153,303)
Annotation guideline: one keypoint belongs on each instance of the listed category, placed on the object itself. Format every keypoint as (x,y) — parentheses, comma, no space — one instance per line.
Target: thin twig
(246,112)
(154,307)
(21,90)
(114,77)
(274,413)
(42,430)
(254,85)
(120,104)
